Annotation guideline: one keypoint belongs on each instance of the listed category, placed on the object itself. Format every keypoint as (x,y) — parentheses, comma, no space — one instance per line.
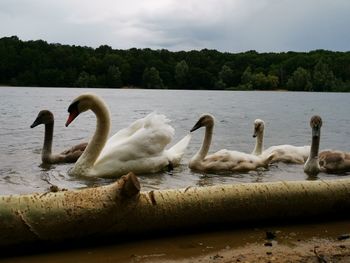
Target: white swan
(223,160)
(328,161)
(282,153)
(139,148)
(69,156)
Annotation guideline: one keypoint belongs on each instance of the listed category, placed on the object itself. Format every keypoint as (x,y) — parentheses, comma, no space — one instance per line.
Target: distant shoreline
(38,63)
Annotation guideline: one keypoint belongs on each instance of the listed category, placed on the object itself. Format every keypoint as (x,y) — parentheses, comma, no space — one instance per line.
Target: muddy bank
(313,251)
(313,242)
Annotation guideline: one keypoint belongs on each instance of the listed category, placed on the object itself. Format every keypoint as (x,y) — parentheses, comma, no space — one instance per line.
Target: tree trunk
(121,208)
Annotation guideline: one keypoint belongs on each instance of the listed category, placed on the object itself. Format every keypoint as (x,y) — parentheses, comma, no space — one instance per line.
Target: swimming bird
(327,161)
(223,160)
(282,153)
(69,156)
(139,148)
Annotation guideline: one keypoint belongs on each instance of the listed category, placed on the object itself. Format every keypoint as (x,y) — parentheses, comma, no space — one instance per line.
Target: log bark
(121,208)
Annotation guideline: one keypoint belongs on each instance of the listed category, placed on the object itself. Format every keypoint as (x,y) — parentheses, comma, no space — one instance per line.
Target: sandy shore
(316,242)
(315,251)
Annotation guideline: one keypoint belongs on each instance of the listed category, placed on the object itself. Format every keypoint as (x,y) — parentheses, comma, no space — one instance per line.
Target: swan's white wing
(176,152)
(123,134)
(148,141)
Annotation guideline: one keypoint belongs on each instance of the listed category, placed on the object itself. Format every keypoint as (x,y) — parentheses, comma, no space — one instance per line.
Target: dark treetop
(37,63)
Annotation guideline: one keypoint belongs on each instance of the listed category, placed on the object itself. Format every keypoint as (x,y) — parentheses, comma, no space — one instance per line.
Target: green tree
(258,81)
(50,78)
(300,80)
(26,78)
(151,79)
(226,75)
(181,74)
(92,82)
(247,76)
(247,79)
(323,78)
(43,64)
(83,80)
(220,85)
(272,81)
(114,79)
(201,79)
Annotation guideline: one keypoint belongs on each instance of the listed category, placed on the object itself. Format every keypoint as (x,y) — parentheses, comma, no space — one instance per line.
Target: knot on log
(129,185)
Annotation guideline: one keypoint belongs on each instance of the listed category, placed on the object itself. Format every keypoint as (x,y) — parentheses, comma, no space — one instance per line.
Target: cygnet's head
(44,117)
(316,124)
(206,120)
(258,127)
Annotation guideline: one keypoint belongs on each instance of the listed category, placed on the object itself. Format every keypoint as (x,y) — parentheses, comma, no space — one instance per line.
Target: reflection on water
(286,116)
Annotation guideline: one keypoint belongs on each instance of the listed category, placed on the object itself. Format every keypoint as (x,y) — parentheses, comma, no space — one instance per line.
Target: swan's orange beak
(71,117)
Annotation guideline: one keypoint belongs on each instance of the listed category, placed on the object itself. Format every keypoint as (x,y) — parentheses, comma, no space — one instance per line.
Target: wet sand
(311,242)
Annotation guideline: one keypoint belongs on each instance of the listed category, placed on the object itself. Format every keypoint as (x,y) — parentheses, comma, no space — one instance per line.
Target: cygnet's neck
(259,143)
(47,147)
(312,165)
(203,151)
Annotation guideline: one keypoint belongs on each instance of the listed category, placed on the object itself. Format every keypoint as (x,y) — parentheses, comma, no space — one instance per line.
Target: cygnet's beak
(35,123)
(255,133)
(196,126)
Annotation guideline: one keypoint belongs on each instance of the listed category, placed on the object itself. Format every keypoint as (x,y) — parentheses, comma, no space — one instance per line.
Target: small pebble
(268,244)
(343,237)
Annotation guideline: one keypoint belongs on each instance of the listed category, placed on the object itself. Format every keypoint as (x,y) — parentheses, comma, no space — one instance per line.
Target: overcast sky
(225,25)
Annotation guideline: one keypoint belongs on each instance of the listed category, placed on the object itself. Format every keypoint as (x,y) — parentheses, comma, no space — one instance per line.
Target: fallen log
(121,208)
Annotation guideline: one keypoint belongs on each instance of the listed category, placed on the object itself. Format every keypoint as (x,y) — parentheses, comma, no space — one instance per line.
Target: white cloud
(226,25)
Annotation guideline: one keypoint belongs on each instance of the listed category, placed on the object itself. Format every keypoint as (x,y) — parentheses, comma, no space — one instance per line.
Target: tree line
(38,63)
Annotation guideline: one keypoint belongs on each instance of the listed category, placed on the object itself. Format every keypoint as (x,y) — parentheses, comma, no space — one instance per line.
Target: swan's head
(205,120)
(44,117)
(80,104)
(258,127)
(316,124)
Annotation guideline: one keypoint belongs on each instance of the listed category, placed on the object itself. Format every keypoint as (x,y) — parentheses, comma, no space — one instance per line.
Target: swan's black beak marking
(73,112)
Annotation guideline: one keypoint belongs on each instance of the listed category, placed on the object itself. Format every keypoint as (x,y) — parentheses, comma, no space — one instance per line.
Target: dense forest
(38,63)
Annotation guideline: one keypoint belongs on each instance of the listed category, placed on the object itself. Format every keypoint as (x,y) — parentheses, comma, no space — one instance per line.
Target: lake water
(286,117)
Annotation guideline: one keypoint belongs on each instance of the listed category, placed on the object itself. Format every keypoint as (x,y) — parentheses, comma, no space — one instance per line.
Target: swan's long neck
(259,143)
(203,151)
(98,141)
(312,165)
(47,147)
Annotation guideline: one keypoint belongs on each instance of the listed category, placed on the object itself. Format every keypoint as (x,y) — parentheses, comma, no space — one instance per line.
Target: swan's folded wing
(148,141)
(122,135)
(126,132)
(176,152)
